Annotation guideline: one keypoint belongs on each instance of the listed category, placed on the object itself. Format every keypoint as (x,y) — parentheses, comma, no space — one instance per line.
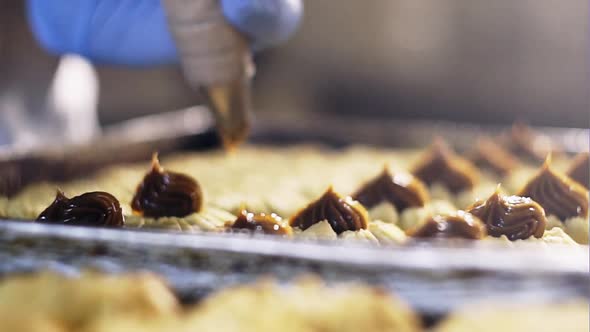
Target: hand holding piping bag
(211,39)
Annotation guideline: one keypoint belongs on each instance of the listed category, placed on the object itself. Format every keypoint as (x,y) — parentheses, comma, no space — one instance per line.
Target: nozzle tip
(230,104)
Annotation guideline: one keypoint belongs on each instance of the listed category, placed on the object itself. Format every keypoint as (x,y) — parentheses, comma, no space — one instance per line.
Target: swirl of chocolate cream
(342,213)
(489,155)
(524,142)
(580,169)
(557,193)
(166,194)
(96,208)
(514,216)
(262,222)
(442,165)
(458,225)
(401,190)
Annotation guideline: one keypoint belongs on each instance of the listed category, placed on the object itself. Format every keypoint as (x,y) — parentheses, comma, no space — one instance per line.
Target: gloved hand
(136,32)
(198,34)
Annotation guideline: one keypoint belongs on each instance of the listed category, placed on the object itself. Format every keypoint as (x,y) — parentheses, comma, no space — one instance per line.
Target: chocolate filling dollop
(97,208)
(401,190)
(458,225)
(514,216)
(580,169)
(262,222)
(525,142)
(342,213)
(167,194)
(492,156)
(557,193)
(442,165)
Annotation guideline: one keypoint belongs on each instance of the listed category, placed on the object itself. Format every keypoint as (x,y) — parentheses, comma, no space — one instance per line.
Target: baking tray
(435,277)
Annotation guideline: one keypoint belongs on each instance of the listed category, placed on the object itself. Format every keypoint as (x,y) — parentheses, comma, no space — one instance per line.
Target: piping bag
(231,105)
(217,63)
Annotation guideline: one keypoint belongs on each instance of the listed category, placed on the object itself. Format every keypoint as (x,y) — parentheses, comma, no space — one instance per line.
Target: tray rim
(527,258)
(197,120)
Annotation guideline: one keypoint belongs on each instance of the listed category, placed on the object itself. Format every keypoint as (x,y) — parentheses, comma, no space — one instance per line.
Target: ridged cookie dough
(515,317)
(412,217)
(387,233)
(141,302)
(362,235)
(577,228)
(266,180)
(555,235)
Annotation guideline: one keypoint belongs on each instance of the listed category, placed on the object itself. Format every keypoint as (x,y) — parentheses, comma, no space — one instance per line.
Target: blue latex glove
(135,32)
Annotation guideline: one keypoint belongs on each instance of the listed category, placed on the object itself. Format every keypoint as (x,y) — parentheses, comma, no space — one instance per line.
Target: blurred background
(467,61)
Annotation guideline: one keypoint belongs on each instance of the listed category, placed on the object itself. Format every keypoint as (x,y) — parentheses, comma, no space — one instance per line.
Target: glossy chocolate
(99,209)
(458,225)
(262,222)
(401,190)
(167,194)
(557,193)
(514,216)
(342,213)
(579,170)
(490,155)
(442,165)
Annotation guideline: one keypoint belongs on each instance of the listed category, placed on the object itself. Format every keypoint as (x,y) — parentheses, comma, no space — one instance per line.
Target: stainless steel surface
(433,278)
(479,61)
(192,128)
(130,141)
(346,130)
(419,256)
